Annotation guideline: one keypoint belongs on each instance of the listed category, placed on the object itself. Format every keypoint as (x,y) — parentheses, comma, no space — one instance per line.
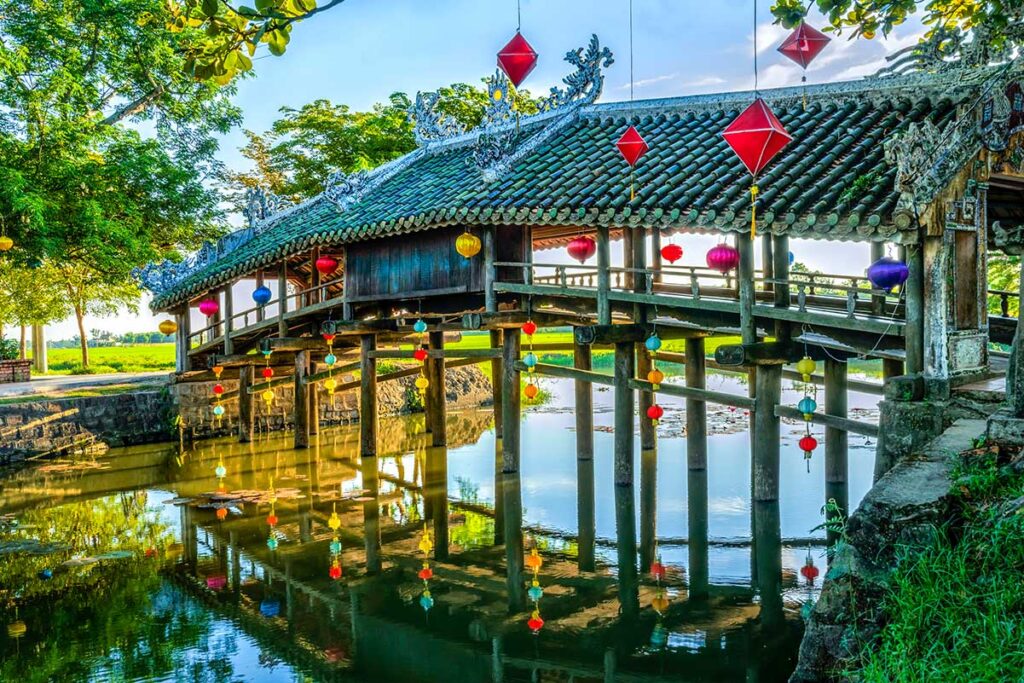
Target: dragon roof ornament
(430,124)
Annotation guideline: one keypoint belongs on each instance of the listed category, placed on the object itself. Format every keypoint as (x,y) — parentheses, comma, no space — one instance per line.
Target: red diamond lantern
(632,146)
(756,136)
(804,44)
(517,59)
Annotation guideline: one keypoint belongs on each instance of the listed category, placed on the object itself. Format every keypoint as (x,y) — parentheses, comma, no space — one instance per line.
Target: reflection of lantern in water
(222,513)
(270,608)
(335,571)
(216,582)
(220,471)
(16,629)
(335,549)
(535,622)
(426,546)
(534,562)
(334,522)
(272,542)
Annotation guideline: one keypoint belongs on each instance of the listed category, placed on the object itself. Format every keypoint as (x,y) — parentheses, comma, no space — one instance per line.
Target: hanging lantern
(517,59)
(535,623)
(220,471)
(805,366)
(809,571)
(272,543)
(330,384)
(167,327)
(887,273)
(268,397)
(420,326)
(655,412)
(655,377)
(804,44)
(6,243)
(530,361)
(535,592)
(632,146)
(723,258)
(209,307)
(657,570)
(335,546)
(420,354)
(582,248)
(218,389)
(467,244)
(326,265)
(330,359)
(422,383)
(217,370)
(653,343)
(808,444)
(272,519)
(660,603)
(534,561)
(218,411)
(261,295)
(329,338)
(529,328)
(334,522)
(222,513)
(756,136)
(672,252)
(268,372)
(426,573)
(807,406)
(335,571)
(530,391)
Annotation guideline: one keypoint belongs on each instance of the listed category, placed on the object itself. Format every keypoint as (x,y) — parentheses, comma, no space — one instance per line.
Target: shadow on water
(145,565)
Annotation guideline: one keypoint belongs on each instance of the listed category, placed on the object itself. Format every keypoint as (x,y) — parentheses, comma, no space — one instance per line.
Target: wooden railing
(1004,301)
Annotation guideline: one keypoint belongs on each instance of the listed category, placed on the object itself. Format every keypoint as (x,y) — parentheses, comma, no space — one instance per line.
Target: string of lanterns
(531,390)
(420,354)
(334,523)
(426,573)
(268,373)
(534,562)
(655,377)
(807,405)
(660,603)
(272,518)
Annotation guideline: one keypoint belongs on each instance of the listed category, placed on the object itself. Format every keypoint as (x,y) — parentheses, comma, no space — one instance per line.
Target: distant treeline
(101,338)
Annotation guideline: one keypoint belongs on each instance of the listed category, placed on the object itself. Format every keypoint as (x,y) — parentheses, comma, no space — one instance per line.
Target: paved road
(51,384)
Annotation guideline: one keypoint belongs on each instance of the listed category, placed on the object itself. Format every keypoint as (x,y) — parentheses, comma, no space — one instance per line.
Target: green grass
(109,359)
(79,393)
(957,611)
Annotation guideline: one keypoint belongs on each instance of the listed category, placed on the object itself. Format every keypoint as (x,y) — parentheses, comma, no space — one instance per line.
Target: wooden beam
(275,344)
(514,319)
(914,330)
(604,309)
(745,274)
(706,395)
(765,441)
(780,273)
(282,299)
(496,392)
(834,421)
(490,272)
(439,353)
(837,486)
(625,517)
(568,373)
(611,334)
(229,313)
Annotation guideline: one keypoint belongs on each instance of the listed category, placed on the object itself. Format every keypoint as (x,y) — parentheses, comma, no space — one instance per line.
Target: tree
(90,293)
(31,296)
(1001,22)
(305,145)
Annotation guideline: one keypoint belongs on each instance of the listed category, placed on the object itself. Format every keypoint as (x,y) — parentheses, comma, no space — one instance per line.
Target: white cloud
(706,81)
(643,82)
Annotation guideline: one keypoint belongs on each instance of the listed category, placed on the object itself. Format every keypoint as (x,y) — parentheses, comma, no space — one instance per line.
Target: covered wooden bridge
(919,163)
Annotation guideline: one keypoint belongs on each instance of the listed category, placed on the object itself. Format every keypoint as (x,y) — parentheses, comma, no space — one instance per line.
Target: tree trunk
(21,345)
(80,317)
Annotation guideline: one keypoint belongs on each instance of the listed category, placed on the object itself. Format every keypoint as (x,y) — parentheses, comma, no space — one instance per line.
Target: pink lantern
(582,248)
(723,258)
(209,307)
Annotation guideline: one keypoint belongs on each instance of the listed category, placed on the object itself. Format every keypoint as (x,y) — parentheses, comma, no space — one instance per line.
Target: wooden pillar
(768,563)
(246,376)
(436,486)
(314,278)
(648,432)
(437,410)
(891,367)
(282,299)
(301,402)
(766,433)
(915,311)
(836,444)
(371,506)
(367,396)
(648,503)
(313,397)
(745,275)
(780,270)
(524,301)
(259,309)
(490,273)
(604,309)
(511,486)
(181,342)
(640,311)
(496,392)
(656,253)
(768,261)
(877,302)
(585,514)
(229,322)
(697,523)
(625,515)
(627,258)
(696,410)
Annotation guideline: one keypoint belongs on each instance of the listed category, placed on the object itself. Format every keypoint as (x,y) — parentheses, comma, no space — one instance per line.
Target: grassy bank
(110,359)
(956,612)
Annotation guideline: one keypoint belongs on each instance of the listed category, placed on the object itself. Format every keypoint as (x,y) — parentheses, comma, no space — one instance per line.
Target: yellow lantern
(334,523)
(806,367)
(468,245)
(6,243)
(168,327)
(655,377)
(16,629)
(330,384)
(422,383)
(268,396)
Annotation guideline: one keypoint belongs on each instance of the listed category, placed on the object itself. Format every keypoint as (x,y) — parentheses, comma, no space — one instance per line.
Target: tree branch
(134,107)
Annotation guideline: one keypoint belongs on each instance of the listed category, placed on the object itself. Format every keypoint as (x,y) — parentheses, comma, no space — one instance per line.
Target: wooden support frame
(585,506)
(245,410)
(511,485)
(435,404)
(625,516)
(301,403)
(696,408)
(765,441)
(837,486)
(706,395)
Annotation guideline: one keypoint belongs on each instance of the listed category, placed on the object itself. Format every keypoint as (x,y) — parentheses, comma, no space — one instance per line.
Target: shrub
(8,349)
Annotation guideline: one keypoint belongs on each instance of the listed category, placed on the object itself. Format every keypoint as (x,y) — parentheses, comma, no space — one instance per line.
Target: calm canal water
(133,568)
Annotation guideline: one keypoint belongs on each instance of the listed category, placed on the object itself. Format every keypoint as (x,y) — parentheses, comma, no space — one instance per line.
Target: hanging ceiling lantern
(6,243)
(268,372)
(529,328)
(581,248)
(467,244)
(222,513)
(804,44)
(530,360)
(261,295)
(807,444)
(655,412)
(887,273)
(420,326)
(672,252)
(756,136)
(530,391)
(653,343)
(809,571)
(632,146)
(330,359)
(209,307)
(326,265)
(167,327)
(806,366)
(420,354)
(655,377)
(723,258)
(517,59)
(218,389)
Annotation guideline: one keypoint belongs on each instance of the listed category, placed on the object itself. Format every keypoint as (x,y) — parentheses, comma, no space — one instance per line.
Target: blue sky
(363,50)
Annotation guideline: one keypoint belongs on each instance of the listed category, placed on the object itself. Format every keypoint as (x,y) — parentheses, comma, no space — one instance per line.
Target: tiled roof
(831,182)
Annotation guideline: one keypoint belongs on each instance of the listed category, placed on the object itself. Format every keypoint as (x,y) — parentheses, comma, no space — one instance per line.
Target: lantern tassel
(753,210)
(632,190)
(804,89)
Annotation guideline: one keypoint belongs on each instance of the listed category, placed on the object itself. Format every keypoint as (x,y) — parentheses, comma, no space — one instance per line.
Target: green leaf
(246,11)
(264,5)
(210,8)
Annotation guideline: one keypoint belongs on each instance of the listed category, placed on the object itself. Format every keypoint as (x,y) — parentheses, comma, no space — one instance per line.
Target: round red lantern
(530,391)
(582,248)
(222,513)
(272,519)
(655,412)
(335,572)
(268,373)
(535,623)
(326,265)
(420,354)
(529,328)
(209,307)
(809,571)
(808,444)
(723,258)
(671,252)
(218,389)
(426,573)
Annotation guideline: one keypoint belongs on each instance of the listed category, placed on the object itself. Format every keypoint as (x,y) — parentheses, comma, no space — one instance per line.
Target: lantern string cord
(755,50)
(630,50)
(519,17)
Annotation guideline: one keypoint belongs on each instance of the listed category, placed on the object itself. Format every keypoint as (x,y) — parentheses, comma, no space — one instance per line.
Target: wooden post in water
(497,374)
(435,482)
(496,392)
(648,503)
(368,449)
(511,486)
(768,561)
(766,433)
(300,404)
(648,432)
(282,299)
(604,309)
(696,411)
(245,412)
(697,523)
(915,310)
(625,507)
(585,518)
(836,440)
(490,273)
(437,410)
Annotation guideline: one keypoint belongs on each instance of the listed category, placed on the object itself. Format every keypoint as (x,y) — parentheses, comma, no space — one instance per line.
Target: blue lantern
(426,602)
(221,472)
(335,547)
(272,543)
(653,343)
(887,273)
(530,360)
(659,636)
(261,295)
(270,608)
(535,593)
(791,258)
(46,574)
(420,326)
(807,406)
(330,359)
